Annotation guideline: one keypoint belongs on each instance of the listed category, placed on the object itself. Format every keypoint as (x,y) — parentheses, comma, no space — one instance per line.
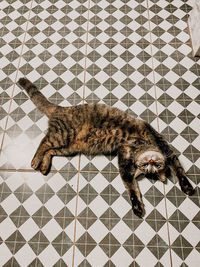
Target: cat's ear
(138,172)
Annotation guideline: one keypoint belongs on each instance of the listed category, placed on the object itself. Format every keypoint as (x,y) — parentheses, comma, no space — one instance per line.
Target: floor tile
(105,221)
(177,80)
(46,53)
(134,55)
(14,21)
(40,215)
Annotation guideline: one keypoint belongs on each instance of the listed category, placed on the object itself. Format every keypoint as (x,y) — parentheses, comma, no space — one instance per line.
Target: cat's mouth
(147,173)
(151,175)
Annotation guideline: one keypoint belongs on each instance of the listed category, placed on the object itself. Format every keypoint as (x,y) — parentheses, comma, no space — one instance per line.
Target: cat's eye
(145,165)
(157,165)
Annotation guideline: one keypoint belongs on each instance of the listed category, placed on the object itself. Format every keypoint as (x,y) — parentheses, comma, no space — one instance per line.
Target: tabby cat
(99,129)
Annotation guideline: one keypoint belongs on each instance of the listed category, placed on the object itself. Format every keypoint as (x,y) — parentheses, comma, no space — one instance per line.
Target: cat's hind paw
(188,190)
(138,209)
(23,82)
(187,187)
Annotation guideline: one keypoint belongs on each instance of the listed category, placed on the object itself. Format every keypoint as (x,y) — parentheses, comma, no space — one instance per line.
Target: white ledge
(194,28)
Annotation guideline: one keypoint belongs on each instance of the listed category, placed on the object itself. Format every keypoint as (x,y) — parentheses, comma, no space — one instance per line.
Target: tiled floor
(131,54)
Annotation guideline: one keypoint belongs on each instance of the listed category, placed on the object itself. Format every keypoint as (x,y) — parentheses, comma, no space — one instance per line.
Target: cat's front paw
(44,168)
(35,163)
(138,209)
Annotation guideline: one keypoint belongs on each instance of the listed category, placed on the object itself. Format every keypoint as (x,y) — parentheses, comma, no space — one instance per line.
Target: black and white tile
(134,55)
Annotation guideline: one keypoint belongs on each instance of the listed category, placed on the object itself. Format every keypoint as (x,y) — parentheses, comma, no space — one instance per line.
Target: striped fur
(99,129)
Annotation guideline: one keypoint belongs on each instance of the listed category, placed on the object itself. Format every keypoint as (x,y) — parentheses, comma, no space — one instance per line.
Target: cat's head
(150,162)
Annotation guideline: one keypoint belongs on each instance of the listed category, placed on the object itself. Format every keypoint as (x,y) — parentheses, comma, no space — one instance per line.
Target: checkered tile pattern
(134,55)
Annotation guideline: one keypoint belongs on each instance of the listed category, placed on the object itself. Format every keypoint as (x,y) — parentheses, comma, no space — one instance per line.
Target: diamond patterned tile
(55,39)
(114,63)
(178,109)
(177,89)
(37,216)
(113,59)
(105,221)
(13,25)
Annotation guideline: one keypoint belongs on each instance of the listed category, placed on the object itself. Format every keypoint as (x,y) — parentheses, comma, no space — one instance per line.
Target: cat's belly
(90,140)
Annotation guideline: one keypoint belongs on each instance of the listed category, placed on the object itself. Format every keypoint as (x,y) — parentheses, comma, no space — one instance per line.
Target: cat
(99,129)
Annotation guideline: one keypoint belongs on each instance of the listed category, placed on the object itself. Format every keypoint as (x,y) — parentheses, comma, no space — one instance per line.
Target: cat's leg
(50,146)
(185,185)
(127,172)
(175,164)
(47,159)
(38,157)
(172,160)
(49,154)
(47,146)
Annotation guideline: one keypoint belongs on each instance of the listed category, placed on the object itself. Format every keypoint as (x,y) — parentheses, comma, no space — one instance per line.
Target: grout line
(83,100)
(67,171)
(76,208)
(86,51)
(10,104)
(15,80)
(156,103)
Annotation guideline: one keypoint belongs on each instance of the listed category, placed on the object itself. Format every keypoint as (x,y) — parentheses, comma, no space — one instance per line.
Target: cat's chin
(155,176)
(147,175)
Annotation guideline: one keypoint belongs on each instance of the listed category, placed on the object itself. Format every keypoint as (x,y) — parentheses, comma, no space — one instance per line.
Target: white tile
(193,258)
(99,183)
(44,256)
(121,232)
(98,206)
(51,230)
(54,205)
(191,234)
(188,208)
(5,254)
(146,256)
(10,204)
(97,257)
(25,255)
(7,228)
(121,206)
(32,204)
(121,253)
(180,143)
(78,257)
(144,232)
(29,229)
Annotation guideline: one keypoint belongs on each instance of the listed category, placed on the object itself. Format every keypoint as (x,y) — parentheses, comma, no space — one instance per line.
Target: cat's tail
(38,99)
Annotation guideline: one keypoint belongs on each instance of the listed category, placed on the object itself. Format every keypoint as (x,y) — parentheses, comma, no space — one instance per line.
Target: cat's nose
(151,161)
